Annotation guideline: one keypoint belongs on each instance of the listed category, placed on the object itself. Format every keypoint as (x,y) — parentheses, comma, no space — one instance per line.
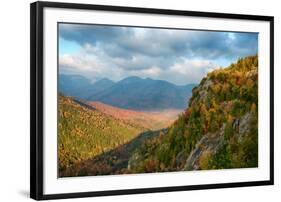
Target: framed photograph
(129,100)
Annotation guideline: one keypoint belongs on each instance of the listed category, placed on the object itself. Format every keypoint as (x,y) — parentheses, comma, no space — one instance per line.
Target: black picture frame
(36,98)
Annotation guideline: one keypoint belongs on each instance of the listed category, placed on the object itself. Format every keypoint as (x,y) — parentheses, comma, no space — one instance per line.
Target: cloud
(121,41)
(175,55)
(76,62)
(82,33)
(191,70)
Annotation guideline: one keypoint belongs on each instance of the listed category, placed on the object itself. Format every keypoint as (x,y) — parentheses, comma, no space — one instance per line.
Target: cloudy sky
(178,56)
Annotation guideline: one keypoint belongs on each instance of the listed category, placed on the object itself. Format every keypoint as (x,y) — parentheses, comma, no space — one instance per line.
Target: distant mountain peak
(133,77)
(130,79)
(80,86)
(105,80)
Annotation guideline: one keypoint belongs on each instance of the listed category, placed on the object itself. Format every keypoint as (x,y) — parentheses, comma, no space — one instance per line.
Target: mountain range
(130,93)
(80,86)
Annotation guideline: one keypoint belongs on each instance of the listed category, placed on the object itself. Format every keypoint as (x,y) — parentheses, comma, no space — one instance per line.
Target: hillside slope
(218,130)
(147,120)
(85,132)
(114,161)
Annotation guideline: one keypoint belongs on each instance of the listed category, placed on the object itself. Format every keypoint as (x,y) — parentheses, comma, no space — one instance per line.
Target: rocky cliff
(218,130)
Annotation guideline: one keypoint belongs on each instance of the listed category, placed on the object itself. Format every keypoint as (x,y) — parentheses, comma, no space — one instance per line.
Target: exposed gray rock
(244,126)
(211,142)
(180,159)
(235,124)
(207,84)
(208,143)
(203,91)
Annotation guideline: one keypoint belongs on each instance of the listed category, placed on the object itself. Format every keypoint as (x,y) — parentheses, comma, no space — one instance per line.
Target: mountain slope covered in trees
(88,130)
(147,120)
(85,132)
(218,130)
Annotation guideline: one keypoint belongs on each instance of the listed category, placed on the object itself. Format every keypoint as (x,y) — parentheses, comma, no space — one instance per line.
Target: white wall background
(14,100)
